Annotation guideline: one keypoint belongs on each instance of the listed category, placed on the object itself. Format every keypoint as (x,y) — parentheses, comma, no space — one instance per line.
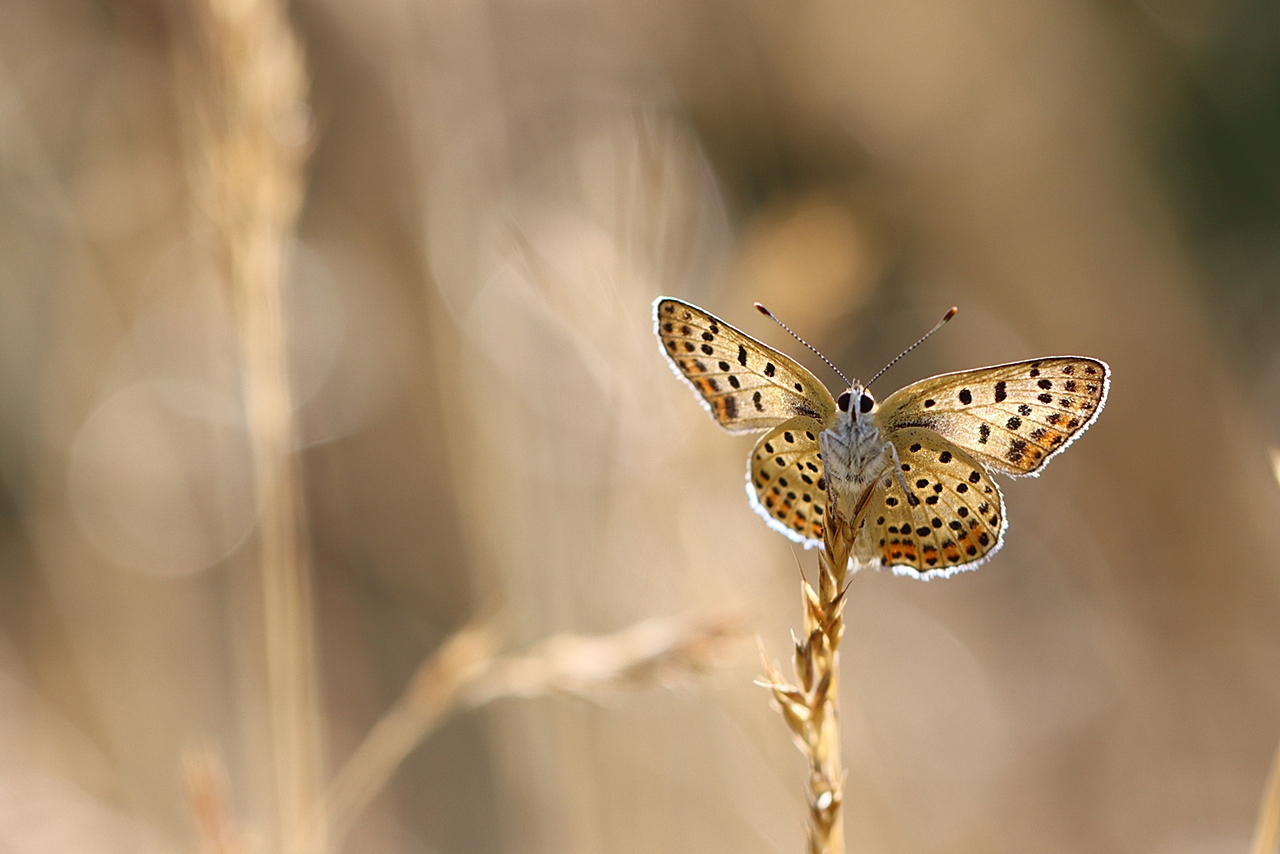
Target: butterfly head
(857,401)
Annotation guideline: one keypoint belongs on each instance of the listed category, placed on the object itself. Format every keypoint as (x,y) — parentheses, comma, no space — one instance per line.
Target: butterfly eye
(866,403)
(843,402)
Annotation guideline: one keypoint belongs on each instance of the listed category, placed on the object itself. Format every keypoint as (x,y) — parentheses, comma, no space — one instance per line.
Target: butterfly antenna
(951,312)
(769,315)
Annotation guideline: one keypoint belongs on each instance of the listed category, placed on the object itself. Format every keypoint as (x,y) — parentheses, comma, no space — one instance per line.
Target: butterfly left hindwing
(744,384)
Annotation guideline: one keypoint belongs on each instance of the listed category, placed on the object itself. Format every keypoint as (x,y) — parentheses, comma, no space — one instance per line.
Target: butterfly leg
(897,470)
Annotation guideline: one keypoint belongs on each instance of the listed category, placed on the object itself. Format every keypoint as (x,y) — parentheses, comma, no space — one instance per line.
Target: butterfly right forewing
(1012,418)
(744,384)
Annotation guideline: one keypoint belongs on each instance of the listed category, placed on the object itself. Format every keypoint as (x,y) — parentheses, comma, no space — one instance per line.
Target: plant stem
(1266,835)
(252,126)
(811,707)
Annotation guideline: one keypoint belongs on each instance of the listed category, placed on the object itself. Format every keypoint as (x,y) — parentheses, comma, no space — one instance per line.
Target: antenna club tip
(760,308)
(951,312)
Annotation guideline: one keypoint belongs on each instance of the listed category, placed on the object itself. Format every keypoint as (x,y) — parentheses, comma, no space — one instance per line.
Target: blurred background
(496,193)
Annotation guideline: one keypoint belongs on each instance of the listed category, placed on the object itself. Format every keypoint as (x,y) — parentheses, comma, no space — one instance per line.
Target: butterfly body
(854,453)
(918,465)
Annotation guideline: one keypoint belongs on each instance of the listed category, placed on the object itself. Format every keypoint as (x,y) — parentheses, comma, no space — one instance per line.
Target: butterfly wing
(1012,418)
(744,384)
(785,482)
(952,518)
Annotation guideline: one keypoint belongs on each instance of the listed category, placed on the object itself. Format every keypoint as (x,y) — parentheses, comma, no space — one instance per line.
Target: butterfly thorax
(854,454)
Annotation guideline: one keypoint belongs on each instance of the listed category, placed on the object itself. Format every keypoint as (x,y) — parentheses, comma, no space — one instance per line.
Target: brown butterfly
(927,452)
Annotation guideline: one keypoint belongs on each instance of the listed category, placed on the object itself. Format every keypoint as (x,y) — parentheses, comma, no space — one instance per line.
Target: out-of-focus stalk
(251,126)
(467,672)
(1266,835)
(205,780)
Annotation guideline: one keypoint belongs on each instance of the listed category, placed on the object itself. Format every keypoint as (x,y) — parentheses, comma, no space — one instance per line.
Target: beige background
(497,193)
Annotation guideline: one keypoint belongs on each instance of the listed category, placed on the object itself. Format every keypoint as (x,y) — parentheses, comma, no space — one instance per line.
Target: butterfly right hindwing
(744,384)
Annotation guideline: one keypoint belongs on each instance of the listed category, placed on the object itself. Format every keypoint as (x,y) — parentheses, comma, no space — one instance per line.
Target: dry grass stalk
(204,779)
(1266,835)
(431,695)
(811,707)
(251,119)
(657,652)
(466,673)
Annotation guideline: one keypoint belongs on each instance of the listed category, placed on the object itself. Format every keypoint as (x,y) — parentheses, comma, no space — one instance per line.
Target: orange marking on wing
(896,550)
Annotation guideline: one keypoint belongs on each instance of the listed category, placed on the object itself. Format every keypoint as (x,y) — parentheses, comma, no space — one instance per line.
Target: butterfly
(921,462)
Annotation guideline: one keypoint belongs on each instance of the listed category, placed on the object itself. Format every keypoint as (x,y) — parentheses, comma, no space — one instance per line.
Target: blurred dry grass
(495,195)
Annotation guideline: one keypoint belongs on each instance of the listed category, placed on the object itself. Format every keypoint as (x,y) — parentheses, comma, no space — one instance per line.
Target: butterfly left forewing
(1013,418)
(951,518)
(744,384)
